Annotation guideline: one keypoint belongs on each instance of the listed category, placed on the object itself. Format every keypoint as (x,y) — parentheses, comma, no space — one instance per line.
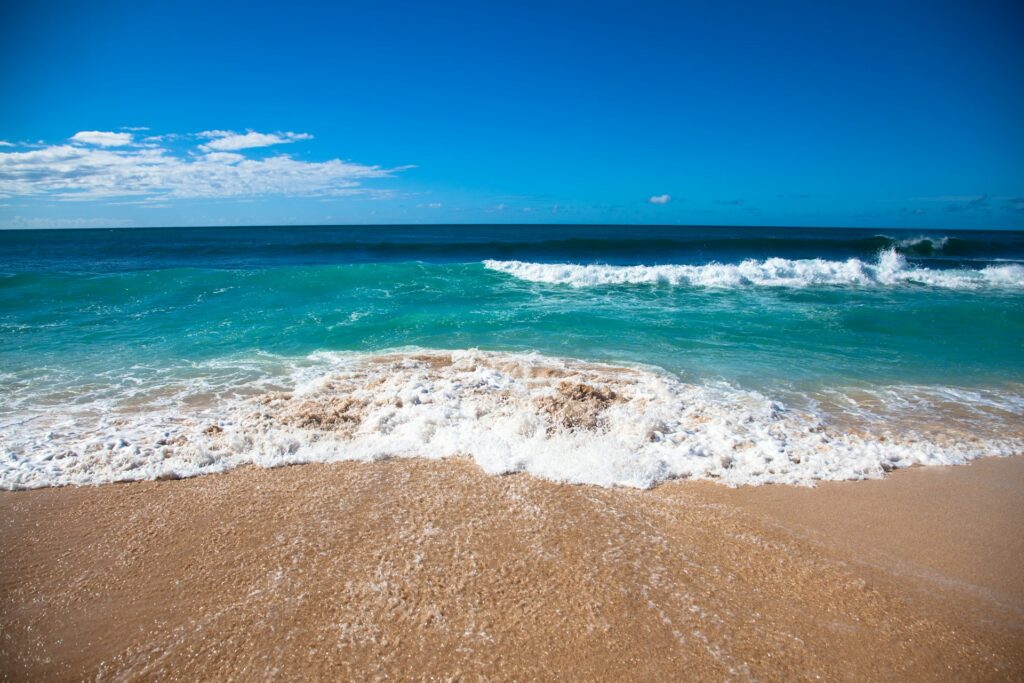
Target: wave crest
(923,245)
(890,269)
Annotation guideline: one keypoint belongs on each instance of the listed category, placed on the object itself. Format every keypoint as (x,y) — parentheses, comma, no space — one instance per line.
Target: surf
(891,269)
(562,419)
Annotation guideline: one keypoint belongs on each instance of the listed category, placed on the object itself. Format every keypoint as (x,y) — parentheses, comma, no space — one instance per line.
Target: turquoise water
(794,315)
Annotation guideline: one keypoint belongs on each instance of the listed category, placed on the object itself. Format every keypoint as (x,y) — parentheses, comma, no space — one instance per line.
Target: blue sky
(903,114)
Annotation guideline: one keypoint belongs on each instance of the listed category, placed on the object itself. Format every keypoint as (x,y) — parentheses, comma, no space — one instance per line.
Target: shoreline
(434,568)
(560,418)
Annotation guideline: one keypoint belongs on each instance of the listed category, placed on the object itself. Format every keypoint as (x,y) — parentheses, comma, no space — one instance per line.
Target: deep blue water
(262,247)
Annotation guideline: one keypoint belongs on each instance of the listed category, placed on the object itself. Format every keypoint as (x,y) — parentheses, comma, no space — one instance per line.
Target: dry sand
(434,570)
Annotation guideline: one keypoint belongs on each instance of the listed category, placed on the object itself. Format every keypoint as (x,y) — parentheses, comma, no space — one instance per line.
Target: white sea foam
(935,243)
(559,419)
(891,269)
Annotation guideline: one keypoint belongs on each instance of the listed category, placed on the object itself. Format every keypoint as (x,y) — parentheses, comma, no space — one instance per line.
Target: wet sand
(957,528)
(434,570)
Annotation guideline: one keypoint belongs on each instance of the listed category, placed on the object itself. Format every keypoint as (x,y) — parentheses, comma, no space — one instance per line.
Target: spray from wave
(890,270)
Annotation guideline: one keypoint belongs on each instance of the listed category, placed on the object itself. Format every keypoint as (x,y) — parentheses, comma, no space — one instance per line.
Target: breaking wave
(925,246)
(890,269)
(560,419)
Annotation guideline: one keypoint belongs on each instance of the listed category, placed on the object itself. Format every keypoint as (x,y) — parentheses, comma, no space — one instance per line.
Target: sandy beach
(434,570)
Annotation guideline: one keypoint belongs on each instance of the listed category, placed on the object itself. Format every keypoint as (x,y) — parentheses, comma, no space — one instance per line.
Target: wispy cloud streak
(97,165)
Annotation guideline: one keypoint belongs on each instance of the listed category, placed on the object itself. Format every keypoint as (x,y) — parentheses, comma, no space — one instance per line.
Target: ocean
(607,355)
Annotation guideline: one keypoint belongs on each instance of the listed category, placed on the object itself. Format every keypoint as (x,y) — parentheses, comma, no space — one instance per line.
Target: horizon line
(510,225)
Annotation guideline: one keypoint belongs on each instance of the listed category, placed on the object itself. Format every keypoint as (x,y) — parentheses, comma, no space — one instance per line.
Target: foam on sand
(890,270)
(559,419)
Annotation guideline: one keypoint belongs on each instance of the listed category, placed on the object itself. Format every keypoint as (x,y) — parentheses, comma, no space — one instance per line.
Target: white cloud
(660,199)
(102,138)
(35,223)
(156,172)
(226,140)
(224,157)
(4,143)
